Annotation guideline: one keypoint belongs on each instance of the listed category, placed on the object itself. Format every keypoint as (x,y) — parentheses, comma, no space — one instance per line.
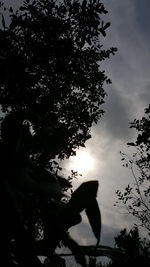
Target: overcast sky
(127,97)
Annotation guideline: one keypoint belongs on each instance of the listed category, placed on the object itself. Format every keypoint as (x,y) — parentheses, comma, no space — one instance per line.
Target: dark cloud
(142,9)
(117,117)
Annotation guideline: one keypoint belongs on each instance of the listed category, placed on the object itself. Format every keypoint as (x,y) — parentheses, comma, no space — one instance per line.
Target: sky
(128,95)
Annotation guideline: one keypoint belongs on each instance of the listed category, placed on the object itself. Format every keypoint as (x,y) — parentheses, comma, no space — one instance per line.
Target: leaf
(3,22)
(106,25)
(94,216)
(131,144)
(102,32)
(83,196)
(75,248)
(11,10)
(112,253)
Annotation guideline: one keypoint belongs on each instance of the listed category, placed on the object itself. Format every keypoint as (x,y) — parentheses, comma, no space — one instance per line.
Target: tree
(131,250)
(135,250)
(51,91)
(50,71)
(136,196)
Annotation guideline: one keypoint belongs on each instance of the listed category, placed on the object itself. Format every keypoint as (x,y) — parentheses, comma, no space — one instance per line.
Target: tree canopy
(135,250)
(51,73)
(51,91)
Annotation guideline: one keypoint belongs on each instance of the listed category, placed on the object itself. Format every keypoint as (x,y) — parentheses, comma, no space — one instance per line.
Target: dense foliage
(51,91)
(135,250)
(50,70)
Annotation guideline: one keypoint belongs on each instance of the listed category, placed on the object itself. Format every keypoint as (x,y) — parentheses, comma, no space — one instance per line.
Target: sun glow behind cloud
(83,162)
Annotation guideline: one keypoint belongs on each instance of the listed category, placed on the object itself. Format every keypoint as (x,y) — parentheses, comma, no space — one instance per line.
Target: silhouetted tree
(51,91)
(136,197)
(134,251)
(50,70)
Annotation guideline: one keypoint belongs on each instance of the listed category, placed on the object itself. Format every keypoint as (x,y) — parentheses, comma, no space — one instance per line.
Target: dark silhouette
(51,91)
(136,250)
(31,202)
(50,55)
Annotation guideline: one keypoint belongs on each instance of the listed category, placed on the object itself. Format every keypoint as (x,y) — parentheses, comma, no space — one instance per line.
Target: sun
(83,162)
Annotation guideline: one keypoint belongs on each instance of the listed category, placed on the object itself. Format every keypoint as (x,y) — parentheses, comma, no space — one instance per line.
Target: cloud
(117,117)
(84,236)
(129,68)
(144,95)
(142,17)
(108,235)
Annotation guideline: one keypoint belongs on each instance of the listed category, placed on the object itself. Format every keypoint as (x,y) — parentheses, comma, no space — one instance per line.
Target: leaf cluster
(50,68)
